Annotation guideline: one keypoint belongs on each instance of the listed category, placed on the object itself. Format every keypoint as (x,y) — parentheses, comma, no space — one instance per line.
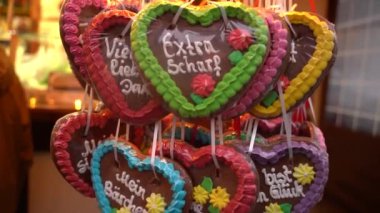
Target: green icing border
(231,83)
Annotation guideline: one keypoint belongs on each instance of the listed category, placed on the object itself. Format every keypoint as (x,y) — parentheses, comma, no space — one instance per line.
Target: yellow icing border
(309,75)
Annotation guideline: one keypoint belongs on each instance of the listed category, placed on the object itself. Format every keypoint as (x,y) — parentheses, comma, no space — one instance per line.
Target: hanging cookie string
(154,148)
(89,112)
(311,107)
(286,120)
(116,141)
(172,137)
(160,139)
(127,131)
(84,98)
(213,144)
(178,13)
(253,137)
(249,129)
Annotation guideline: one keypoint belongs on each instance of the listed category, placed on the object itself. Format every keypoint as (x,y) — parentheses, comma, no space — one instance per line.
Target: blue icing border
(167,170)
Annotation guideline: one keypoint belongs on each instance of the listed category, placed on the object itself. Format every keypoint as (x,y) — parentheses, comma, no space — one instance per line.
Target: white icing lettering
(83,165)
(113,192)
(281,185)
(182,51)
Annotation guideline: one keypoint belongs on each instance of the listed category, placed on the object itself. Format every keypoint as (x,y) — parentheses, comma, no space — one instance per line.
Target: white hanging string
(213,144)
(248,133)
(84,99)
(253,137)
(172,138)
(287,122)
(154,147)
(127,129)
(160,139)
(89,112)
(311,106)
(220,130)
(116,141)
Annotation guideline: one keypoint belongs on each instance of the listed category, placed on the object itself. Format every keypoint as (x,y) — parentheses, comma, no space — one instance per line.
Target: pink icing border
(60,139)
(69,30)
(268,74)
(101,78)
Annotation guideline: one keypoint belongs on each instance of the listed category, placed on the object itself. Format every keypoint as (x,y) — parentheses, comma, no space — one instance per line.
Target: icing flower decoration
(200,195)
(203,85)
(273,208)
(284,82)
(155,203)
(240,39)
(219,197)
(304,173)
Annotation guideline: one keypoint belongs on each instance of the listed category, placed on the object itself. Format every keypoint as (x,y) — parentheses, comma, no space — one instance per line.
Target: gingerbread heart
(72,150)
(285,186)
(312,56)
(232,188)
(112,69)
(75,16)
(274,65)
(131,184)
(199,58)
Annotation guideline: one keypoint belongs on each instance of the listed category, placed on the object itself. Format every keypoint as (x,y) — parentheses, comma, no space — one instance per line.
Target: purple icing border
(268,74)
(69,31)
(317,156)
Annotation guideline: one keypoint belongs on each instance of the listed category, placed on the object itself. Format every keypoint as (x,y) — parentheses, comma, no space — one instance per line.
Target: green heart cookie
(196,48)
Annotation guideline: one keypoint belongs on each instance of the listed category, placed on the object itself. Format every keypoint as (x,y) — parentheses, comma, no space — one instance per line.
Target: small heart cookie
(232,188)
(112,69)
(312,56)
(289,187)
(72,150)
(131,183)
(75,17)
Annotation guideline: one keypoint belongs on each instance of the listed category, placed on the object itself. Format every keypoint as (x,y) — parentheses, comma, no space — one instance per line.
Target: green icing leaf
(207,184)
(286,207)
(213,209)
(235,57)
(269,98)
(196,98)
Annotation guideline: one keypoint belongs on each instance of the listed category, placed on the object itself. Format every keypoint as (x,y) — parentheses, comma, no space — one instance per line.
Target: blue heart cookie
(130,184)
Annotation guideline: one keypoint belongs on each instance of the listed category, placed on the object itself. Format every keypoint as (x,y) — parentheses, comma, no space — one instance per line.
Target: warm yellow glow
(32,102)
(77,104)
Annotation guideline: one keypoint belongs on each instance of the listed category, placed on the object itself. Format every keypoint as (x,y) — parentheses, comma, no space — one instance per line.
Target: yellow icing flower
(155,203)
(304,173)
(200,195)
(123,210)
(219,197)
(273,208)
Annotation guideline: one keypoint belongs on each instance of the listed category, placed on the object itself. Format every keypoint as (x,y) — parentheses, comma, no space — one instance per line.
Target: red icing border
(246,191)
(100,75)
(59,142)
(69,29)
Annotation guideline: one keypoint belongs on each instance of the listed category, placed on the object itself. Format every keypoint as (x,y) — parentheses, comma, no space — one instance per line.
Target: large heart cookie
(311,59)
(199,60)
(72,150)
(131,184)
(75,16)
(274,65)
(289,187)
(113,72)
(232,188)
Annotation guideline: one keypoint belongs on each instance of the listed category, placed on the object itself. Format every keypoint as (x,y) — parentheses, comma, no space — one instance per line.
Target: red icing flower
(240,39)
(284,81)
(203,85)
